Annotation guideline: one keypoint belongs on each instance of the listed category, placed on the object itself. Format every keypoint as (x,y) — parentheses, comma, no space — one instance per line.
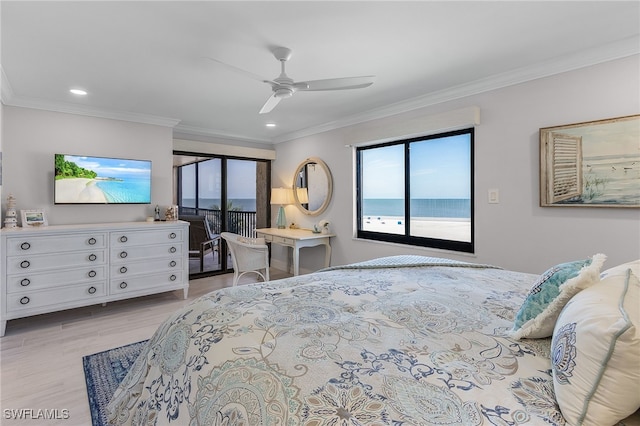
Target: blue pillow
(550,293)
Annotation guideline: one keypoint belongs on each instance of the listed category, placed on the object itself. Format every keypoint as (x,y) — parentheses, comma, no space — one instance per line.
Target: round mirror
(312,186)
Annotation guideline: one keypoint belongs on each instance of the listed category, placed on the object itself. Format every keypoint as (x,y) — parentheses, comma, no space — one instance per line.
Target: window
(232,193)
(418,191)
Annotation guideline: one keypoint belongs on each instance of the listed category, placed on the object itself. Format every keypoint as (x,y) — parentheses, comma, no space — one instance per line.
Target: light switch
(494,196)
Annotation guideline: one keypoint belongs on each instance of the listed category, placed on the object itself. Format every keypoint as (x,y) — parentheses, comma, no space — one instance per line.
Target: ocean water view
(420,207)
(127,190)
(242,204)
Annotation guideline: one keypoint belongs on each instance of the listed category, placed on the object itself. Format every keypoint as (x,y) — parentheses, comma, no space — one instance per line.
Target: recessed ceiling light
(78,92)
(270,124)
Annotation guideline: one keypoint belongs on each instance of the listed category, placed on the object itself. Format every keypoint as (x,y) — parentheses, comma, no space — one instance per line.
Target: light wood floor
(41,356)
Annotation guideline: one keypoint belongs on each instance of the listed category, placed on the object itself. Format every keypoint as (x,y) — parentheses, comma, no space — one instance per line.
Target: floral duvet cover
(404,340)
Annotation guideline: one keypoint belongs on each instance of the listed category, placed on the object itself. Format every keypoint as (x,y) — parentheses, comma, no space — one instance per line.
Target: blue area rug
(103,373)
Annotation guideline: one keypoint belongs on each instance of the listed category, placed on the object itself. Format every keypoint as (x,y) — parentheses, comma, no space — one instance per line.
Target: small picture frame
(33,218)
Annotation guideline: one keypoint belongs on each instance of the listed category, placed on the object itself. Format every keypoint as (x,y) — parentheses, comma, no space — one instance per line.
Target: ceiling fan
(284,87)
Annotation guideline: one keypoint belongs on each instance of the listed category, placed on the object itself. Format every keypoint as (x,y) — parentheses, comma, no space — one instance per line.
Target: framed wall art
(591,164)
(32,218)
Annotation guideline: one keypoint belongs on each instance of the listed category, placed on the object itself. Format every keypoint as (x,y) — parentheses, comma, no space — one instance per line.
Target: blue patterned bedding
(395,341)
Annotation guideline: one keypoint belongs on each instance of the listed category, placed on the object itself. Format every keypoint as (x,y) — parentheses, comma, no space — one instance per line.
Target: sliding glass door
(217,194)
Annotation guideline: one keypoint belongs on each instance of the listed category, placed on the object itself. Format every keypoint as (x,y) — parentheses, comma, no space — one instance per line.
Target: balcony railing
(239,222)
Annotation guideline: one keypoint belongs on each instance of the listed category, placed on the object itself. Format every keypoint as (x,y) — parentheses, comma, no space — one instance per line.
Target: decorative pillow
(595,352)
(553,289)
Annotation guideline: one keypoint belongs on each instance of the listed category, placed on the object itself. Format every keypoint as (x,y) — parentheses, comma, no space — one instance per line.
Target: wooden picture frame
(33,218)
(591,164)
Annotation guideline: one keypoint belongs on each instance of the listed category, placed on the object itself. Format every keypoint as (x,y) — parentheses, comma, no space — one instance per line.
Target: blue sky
(241,182)
(439,169)
(112,167)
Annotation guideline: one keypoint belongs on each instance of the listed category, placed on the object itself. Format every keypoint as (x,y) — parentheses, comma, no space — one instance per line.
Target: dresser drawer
(24,264)
(128,269)
(283,241)
(133,238)
(56,244)
(127,254)
(143,282)
(28,281)
(32,300)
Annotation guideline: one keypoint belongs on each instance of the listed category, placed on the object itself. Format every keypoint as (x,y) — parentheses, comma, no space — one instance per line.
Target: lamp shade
(281,196)
(303,195)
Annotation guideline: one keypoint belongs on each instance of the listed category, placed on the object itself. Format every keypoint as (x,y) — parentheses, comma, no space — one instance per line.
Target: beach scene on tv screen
(98,180)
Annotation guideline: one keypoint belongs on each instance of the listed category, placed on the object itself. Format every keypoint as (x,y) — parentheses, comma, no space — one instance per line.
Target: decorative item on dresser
(34,217)
(11,219)
(52,268)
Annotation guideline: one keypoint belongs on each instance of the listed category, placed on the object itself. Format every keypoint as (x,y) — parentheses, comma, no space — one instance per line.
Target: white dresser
(60,267)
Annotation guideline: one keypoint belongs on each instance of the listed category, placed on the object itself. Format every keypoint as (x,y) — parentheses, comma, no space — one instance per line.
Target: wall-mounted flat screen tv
(81,179)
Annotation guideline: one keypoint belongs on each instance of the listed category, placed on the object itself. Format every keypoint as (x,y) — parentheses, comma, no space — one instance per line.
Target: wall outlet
(494,196)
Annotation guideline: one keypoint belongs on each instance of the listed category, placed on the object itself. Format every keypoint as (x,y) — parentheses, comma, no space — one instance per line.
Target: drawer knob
(123,270)
(92,241)
(172,263)
(92,257)
(25,246)
(25,282)
(172,250)
(25,264)
(92,290)
(123,254)
(172,235)
(123,239)
(173,277)
(24,300)
(123,285)
(92,274)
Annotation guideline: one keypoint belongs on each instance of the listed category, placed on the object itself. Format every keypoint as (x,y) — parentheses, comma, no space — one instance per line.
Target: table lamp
(303,195)
(281,196)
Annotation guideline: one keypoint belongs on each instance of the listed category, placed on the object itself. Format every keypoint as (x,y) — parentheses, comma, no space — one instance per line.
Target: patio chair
(249,255)
(201,240)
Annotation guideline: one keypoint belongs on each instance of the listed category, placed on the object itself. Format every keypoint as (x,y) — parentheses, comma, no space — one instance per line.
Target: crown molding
(9,99)
(609,52)
(209,133)
(606,53)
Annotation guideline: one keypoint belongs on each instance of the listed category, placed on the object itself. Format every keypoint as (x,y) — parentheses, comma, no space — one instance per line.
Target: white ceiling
(146,61)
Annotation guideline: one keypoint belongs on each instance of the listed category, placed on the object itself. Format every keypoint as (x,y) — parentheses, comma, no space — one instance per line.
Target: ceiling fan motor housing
(283,92)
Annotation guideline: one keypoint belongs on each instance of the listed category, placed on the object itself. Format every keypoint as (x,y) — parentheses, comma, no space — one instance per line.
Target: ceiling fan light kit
(284,87)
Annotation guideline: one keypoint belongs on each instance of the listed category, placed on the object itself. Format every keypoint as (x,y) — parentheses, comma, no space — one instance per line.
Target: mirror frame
(327,200)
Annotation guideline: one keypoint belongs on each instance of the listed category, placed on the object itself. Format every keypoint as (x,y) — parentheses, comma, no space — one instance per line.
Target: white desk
(297,239)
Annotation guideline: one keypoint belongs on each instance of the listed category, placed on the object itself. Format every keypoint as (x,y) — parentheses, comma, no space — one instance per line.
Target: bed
(402,340)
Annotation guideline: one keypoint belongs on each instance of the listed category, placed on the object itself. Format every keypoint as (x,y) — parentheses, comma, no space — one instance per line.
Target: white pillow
(595,352)
(633,265)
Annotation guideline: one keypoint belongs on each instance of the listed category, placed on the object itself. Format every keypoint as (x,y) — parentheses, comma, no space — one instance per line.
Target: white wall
(31,137)
(516,233)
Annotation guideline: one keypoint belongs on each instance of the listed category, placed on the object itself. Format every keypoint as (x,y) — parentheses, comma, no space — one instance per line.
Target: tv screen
(99,180)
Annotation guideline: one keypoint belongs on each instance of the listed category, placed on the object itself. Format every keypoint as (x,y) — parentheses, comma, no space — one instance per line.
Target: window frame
(406,238)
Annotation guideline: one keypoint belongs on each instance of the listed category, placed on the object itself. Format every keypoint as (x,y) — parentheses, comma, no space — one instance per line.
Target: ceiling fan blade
(241,71)
(270,104)
(337,83)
